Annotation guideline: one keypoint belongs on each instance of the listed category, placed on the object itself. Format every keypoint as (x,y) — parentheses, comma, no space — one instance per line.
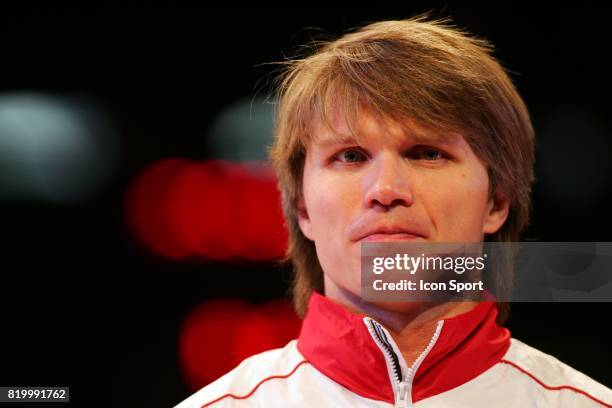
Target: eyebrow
(327,141)
(419,138)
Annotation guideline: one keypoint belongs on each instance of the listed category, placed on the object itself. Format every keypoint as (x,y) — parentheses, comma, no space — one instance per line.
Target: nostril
(388,188)
(386,204)
(396,202)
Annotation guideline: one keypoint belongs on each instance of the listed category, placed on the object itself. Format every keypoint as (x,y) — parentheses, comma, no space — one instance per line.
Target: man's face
(390,186)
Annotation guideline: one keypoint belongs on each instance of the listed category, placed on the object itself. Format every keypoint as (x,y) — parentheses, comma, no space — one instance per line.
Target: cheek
(325,199)
(331,204)
(458,206)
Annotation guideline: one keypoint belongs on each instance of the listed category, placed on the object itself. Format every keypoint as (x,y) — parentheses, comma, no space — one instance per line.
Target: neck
(411,324)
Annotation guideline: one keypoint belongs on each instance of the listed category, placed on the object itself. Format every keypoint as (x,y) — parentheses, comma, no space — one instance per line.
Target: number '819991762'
(50,394)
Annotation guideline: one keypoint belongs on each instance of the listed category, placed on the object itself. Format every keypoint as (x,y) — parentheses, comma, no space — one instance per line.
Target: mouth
(391,237)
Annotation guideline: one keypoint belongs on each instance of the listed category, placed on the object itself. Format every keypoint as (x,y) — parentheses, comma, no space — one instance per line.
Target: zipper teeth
(396,364)
(386,347)
(417,363)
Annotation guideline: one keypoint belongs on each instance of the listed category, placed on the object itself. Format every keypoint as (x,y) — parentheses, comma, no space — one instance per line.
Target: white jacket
(344,359)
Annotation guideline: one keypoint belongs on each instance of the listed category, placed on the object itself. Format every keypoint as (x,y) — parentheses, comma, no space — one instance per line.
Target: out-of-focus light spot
(212,210)
(219,334)
(206,340)
(147,214)
(573,156)
(54,149)
(270,325)
(242,131)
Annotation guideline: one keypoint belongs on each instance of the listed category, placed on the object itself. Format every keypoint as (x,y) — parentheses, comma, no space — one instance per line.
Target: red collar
(338,343)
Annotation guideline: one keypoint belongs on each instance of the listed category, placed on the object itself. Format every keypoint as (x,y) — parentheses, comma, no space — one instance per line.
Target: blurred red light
(205,335)
(212,209)
(218,335)
(146,208)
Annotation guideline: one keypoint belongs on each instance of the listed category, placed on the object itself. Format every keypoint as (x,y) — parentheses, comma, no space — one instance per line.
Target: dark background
(83,305)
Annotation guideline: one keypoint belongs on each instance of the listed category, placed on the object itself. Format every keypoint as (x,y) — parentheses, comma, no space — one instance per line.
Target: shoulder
(273,366)
(551,379)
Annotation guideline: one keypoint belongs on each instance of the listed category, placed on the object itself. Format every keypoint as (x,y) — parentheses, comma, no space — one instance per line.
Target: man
(402,131)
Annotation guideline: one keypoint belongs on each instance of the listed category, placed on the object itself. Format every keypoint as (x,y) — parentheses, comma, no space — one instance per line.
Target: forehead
(367,125)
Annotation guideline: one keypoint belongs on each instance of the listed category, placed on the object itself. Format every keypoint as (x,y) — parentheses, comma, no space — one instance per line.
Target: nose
(387,183)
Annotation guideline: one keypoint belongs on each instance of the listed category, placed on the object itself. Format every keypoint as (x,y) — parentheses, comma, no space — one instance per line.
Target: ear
(304,219)
(498,209)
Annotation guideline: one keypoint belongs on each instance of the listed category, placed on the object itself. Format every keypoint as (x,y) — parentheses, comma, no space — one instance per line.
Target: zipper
(396,365)
(417,363)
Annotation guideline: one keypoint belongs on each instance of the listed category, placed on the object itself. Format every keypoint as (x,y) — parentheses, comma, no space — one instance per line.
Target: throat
(411,324)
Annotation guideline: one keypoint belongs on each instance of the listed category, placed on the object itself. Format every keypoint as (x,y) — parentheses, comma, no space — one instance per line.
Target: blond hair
(417,69)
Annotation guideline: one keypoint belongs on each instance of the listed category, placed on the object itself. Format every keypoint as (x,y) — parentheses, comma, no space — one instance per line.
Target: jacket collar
(338,343)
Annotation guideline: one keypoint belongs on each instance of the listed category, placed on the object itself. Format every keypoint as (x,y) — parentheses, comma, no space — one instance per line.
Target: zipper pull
(401,399)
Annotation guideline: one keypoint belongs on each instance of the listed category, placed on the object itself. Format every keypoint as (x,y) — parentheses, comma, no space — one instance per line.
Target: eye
(351,155)
(427,153)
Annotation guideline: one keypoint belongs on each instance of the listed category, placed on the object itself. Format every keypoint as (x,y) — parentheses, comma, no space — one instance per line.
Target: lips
(387,233)
(391,237)
(404,226)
